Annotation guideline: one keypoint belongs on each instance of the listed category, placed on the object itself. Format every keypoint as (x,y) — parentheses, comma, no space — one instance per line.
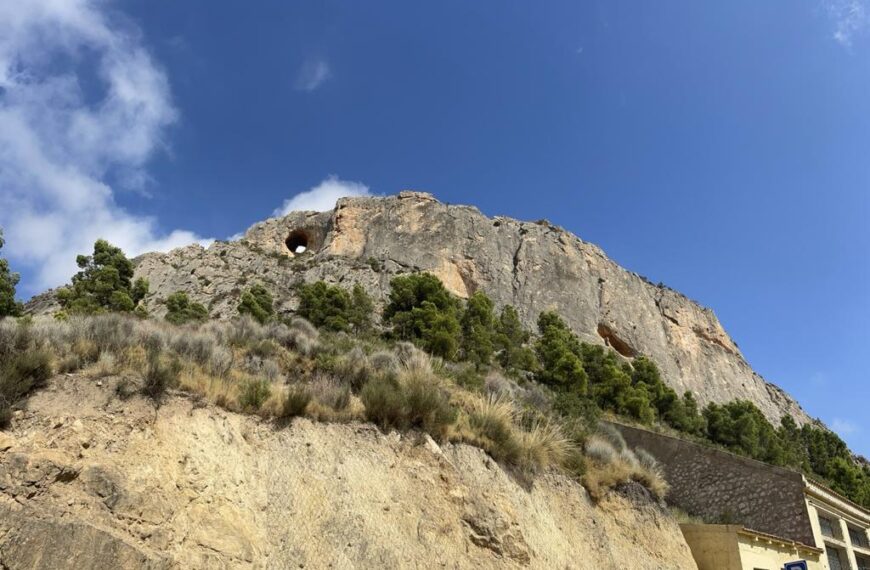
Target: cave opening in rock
(297,242)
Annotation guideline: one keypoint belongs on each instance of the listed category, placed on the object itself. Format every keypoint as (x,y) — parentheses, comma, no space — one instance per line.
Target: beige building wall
(732,547)
(843,517)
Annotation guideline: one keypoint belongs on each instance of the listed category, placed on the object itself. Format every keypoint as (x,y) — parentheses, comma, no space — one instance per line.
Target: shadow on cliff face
(616,343)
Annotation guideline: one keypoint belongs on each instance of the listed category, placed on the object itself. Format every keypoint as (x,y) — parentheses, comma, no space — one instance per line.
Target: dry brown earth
(88,480)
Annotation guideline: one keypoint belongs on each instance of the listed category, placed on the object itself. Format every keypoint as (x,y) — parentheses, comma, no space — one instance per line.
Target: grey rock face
(533,266)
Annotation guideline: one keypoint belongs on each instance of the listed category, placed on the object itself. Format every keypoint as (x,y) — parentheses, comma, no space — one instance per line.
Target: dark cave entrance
(297,242)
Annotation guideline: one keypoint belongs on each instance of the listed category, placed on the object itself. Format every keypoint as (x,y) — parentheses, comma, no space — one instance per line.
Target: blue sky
(721,148)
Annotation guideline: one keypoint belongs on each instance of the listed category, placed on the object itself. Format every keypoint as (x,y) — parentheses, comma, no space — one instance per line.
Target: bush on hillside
(334,308)
(20,374)
(257,302)
(9,307)
(159,375)
(253,393)
(181,310)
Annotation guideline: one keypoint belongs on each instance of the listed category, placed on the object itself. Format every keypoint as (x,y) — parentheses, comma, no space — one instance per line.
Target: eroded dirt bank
(89,480)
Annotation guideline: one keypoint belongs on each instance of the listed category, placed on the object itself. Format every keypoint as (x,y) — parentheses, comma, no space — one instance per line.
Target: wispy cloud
(313,74)
(819,379)
(61,144)
(850,18)
(323,196)
(844,427)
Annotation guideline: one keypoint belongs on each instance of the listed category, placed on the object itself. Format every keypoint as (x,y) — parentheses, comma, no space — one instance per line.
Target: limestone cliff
(533,266)
(88,480)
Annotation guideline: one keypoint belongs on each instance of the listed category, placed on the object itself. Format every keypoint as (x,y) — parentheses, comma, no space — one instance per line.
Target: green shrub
(159,376)
(469,378)
(257,302)
(180,309)
(742,427)
(296,401)
(105,283)
(384,402)
(427,406)
(333,308)
(9,307)
(23,373)
(253,393)
(362,308)
(325,306)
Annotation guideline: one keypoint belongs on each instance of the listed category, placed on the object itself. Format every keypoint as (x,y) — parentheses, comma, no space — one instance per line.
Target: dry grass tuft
(610,467)
(544,445)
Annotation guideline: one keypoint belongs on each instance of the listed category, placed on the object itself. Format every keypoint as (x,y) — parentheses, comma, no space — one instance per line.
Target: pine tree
(423,311)
(559,353)
(105,283)
(511,341)
(478,322)
(9,307)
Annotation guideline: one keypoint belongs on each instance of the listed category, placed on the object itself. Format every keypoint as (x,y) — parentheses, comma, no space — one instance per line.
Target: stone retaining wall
(721,487)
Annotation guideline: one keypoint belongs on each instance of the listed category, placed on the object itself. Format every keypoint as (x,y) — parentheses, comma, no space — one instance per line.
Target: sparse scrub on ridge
(442,365)
(282,371)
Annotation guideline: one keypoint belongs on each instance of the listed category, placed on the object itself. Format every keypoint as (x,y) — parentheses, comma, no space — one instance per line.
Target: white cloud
(844,427)
(313,74)
(850,18)
(323,196)
(81,103)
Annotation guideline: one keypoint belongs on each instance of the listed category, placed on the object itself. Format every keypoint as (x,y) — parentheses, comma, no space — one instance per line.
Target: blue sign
(799,565)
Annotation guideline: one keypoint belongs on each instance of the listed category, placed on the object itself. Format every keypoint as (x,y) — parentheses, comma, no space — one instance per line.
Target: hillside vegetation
(459,370)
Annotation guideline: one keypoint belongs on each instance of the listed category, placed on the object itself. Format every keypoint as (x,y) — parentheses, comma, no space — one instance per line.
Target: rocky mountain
(89,479)
(534,266)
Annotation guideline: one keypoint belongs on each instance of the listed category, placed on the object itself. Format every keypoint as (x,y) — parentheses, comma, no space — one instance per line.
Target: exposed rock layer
(90,481)
(533,266)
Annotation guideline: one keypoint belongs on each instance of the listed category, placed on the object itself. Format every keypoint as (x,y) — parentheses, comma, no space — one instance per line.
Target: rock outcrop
(88,480)
(532,265)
